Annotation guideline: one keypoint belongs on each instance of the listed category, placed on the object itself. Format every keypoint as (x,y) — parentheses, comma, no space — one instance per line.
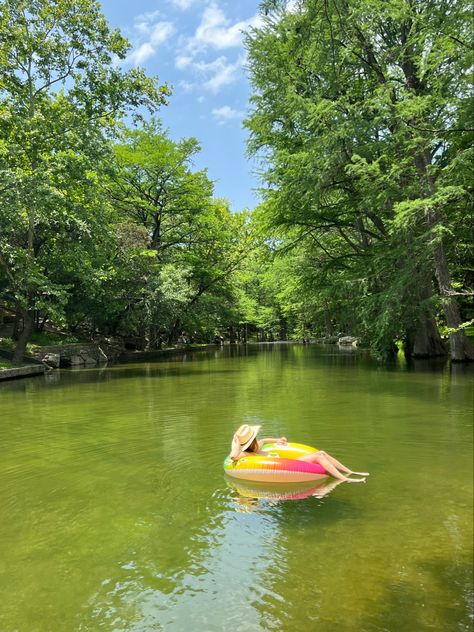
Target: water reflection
(249,494)
(116,515)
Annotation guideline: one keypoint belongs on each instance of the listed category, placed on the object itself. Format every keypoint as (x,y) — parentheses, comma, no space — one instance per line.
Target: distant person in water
(245,442)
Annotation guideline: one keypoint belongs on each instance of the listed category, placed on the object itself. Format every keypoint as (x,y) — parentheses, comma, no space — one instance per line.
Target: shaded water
(115,513)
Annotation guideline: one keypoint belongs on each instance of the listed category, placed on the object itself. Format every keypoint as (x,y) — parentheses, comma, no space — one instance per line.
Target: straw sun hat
(246,434)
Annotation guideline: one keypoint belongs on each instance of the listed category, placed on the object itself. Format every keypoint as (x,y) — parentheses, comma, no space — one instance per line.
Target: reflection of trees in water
(120,509)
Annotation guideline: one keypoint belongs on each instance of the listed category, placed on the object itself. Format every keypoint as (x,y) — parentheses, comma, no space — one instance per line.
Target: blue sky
(196,47)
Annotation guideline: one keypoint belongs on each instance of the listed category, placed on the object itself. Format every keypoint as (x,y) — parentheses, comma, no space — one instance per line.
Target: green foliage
(43,338)
(361,112)
(363,119)
(178,247)
(62,94)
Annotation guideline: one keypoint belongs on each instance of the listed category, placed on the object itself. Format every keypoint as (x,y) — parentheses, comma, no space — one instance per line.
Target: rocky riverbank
(22,371)
(78,354)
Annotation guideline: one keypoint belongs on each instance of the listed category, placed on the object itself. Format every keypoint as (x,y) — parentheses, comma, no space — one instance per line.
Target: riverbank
(28,370)
(10,371)
(84,355)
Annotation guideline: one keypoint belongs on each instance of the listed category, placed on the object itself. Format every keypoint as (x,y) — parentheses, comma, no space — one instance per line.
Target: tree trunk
(328,320)
(24,336)
(173,333)
(424,341)
(427,342)
(16,327)
(461,349)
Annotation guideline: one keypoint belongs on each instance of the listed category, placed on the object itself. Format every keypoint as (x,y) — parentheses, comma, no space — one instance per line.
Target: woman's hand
(282,440)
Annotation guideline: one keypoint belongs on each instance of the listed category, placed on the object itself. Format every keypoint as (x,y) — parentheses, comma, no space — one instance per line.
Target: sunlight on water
(116,514)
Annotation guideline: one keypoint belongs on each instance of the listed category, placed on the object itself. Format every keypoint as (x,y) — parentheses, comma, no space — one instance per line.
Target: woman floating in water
(245,442)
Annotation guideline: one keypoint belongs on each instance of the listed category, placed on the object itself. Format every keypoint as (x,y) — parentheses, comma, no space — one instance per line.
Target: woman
(245,442)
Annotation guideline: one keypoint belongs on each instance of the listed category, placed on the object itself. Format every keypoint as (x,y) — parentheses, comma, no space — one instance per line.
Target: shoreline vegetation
(109,232)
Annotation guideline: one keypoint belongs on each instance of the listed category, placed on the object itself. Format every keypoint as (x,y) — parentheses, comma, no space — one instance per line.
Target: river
(116,515)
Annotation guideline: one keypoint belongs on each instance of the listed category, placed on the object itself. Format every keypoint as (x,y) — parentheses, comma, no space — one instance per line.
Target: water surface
(115,513)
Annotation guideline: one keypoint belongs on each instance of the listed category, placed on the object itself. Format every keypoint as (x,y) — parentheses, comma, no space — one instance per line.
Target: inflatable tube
(279,465)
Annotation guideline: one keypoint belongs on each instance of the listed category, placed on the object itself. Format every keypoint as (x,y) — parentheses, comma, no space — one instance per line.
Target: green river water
(116,515)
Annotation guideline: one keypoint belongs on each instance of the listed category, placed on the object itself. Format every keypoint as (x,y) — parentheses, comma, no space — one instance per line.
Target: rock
(76,360)
(81,354)
(348,340)
(52,360)
(88,360)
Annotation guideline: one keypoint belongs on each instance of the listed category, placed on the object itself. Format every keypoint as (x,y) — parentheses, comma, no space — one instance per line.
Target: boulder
(88,360)
(76,360)
(348,340)
(52,360)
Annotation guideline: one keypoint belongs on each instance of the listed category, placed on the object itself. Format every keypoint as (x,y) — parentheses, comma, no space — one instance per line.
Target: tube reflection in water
(250,492)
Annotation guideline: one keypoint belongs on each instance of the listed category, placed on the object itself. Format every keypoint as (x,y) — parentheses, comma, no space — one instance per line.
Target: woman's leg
(320,457)
(340,466)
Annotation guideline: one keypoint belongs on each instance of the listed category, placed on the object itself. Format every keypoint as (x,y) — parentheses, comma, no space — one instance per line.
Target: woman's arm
(235,451)
(282,440)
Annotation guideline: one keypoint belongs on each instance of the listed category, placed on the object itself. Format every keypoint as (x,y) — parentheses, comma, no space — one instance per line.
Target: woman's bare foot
(359,473)
(355,480)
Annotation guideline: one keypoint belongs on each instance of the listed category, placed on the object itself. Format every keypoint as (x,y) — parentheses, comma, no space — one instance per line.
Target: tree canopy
(361,119)
(62,95)
(361,110)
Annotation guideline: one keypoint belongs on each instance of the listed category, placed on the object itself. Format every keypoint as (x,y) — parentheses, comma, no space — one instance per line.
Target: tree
(62,94)
(194,241)
(358,107)
(155,186)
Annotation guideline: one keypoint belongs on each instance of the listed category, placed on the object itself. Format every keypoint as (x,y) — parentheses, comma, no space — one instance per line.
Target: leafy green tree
(194,240)
(156,187)
(361,109)
(259,284)
(223,247)
(61,93)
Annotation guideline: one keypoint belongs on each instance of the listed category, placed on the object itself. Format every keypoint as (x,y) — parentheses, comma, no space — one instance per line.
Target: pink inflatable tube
(276,467)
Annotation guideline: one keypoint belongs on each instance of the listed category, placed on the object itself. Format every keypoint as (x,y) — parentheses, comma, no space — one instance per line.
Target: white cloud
(160,32)
(218,73)
(183,61)
(216,31)
(223,74)
(142,22)
(141,54)
(186,86)
(226,113)
(182,4)
(152,33)
(214,74)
